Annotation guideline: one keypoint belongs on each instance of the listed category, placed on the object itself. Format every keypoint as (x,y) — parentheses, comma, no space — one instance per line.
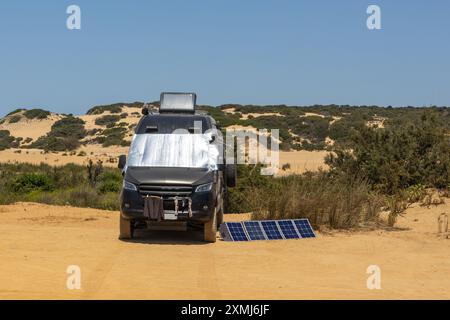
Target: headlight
(129,186)
(204,187)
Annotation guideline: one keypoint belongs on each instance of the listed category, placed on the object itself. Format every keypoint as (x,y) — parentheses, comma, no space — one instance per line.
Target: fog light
(205,207)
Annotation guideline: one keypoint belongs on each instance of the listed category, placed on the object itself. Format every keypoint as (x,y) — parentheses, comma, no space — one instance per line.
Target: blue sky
(253,51)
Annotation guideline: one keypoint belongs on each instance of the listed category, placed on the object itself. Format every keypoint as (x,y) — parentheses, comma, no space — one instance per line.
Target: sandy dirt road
(39,242)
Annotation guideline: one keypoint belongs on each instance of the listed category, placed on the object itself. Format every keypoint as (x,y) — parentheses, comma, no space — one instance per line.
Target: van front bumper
(132,207)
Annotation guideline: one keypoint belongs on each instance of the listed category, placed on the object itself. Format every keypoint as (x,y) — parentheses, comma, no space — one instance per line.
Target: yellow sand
(38,243)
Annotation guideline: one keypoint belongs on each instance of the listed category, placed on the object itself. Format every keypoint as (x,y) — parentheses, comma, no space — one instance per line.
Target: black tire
(126,229)
(231,175)
(220,211)
(210,228)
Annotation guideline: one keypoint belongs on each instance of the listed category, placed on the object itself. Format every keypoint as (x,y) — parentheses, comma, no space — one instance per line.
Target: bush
(64,135)
(15,119)
(113,137)
(108,120)
(113,108)
(15,111)
(6,140)
(69,127)
(31,181)
(36,114)
(66,185)
(397,157)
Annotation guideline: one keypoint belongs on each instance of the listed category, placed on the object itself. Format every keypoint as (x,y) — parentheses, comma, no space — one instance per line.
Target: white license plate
(170,216)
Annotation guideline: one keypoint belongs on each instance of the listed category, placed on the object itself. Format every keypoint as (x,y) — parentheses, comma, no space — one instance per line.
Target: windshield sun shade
(173,150)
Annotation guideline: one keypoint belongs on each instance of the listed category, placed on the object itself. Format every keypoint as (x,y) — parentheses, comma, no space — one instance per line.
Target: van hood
(168,176)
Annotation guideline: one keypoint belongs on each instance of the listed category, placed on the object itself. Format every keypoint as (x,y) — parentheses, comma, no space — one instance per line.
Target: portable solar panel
(271,229)
(254,230)
(304,228)
(288,229)
(266,230)
(233,231)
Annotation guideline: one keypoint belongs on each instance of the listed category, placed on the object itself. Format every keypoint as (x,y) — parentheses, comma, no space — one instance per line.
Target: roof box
(177,102)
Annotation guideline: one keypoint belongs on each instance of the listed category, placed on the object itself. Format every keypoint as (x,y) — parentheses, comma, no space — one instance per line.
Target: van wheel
(220,213)
(210,228)
(126,229)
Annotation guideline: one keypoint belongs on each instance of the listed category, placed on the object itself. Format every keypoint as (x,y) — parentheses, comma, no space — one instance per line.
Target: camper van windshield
(173,150)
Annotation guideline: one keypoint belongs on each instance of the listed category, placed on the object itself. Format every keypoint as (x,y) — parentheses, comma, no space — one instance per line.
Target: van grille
(165,190)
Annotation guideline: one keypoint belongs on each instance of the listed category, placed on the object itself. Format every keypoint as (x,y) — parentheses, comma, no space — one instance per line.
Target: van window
(166,124)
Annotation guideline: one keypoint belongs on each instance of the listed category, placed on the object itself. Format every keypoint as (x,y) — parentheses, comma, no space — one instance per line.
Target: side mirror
(145,111)
(122,161)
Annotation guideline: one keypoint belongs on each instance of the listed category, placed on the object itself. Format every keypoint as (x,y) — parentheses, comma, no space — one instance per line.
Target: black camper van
(175,175)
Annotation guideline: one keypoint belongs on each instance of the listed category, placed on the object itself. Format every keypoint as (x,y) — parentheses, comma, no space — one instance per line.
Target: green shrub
(15,119)
(397,157)
(36,114)
(69,127)
(108,120)
(65,135)
(6,140)
(15,111)
(65,185)
(110,181)
(31,181)
(113,108)
(113,137)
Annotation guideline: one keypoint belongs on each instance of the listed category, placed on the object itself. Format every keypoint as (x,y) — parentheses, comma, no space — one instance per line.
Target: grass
(329,201)
(93,186)
(337,202)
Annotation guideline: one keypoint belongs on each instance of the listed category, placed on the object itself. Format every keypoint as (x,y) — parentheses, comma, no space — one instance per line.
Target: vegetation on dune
(65,135)
(15,111)
(15,118)
(6,140)
(301,132)
(113,137)
(108,121)
(114,108)
(300,127)
(36,114)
